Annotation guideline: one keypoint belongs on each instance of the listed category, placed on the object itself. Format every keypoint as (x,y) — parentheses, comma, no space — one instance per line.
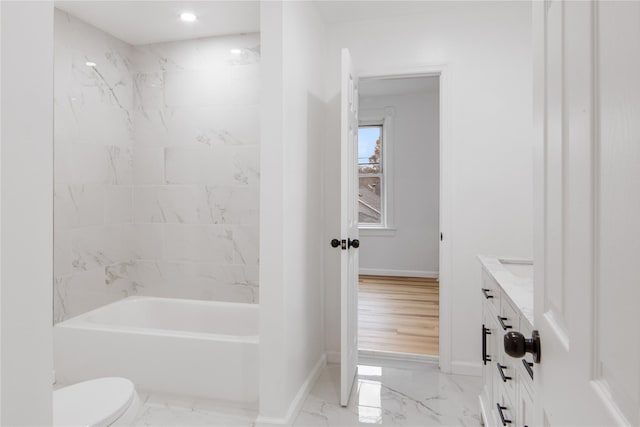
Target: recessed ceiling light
(90,64)
(236,51)
(188,17)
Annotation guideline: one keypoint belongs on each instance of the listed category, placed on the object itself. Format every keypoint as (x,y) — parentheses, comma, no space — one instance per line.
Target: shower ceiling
(143,22)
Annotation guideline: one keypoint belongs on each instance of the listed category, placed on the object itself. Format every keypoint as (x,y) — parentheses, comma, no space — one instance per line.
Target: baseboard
(466,368)
(298,400)
(333,357)
(397,360)
(399,273)
(392,356)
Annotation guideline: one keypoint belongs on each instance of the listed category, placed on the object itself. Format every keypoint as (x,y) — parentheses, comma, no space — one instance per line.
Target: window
(375,174)
(371,169)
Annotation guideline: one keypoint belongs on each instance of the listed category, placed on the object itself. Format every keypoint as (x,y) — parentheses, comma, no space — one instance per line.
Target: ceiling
(143,22)
(364,10)
(152,21)
(399,86)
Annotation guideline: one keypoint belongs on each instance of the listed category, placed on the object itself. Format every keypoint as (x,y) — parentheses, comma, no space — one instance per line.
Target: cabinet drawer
(526,366)
(507,374)
(509,318)
(504,410)
(525,407)
(491,291)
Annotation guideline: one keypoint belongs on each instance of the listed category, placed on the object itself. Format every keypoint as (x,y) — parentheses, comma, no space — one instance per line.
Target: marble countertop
(515,277)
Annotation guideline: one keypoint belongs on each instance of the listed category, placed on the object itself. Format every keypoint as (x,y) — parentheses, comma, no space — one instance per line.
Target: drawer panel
(491,291)
(509,315)
(509,321)
(526,374)
(504,410)
(525,407)
(508,374)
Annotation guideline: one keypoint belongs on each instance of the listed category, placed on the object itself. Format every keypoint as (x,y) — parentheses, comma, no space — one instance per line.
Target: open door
(348,228)
(587,219)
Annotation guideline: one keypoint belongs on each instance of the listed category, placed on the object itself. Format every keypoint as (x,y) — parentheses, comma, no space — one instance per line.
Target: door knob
(516,345)
(355,243)
(337,243)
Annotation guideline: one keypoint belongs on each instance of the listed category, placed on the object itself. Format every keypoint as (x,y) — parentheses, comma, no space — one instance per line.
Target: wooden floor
(398,314)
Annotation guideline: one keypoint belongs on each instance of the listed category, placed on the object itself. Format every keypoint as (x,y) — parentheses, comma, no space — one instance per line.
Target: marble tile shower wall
(156,168)
(93,182)
(196,169)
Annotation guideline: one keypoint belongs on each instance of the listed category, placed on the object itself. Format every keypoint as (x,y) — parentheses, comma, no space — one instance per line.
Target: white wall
(487,50)
(26,229)
(291,244)
(414,140)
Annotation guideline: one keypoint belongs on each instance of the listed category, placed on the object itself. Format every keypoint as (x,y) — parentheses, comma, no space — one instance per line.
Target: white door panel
(348,228)
(587,254)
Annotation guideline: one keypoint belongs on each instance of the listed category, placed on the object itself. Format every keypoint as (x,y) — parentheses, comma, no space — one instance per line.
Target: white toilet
(96,403)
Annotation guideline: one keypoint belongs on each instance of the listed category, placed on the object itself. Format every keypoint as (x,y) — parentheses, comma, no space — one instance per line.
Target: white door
(348,228)
(587,219)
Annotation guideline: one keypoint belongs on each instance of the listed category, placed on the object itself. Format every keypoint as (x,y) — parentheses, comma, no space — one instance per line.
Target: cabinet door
(503,408)
(525,407)
(489,353)
(496,349)
(508,368)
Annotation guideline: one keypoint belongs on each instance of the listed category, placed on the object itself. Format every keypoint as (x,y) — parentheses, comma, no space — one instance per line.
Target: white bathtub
(194,348)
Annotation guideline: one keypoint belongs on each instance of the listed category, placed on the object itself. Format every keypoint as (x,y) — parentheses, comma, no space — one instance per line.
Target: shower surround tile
(78,205)
(78,293)
(166,204)
(196,114)
(199,243)
(93,143)
(63,259)
(119,204)
(218,165)
(156,168)
(148,242)
(228,205)
(101,164)
(205,281)
(99,247)
(149,163)
(196,126)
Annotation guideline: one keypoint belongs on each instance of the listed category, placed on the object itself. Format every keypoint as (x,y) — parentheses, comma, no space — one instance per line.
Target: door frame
(446,186)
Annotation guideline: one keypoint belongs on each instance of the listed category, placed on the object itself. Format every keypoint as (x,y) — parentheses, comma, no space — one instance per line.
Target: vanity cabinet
(507,394)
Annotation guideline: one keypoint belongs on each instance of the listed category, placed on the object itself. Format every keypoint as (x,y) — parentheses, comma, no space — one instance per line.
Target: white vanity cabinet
(507,305)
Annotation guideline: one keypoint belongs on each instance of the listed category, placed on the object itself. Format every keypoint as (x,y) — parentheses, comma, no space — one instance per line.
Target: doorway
(399,216)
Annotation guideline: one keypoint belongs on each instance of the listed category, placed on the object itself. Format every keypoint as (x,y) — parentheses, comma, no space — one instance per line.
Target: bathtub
(203,349)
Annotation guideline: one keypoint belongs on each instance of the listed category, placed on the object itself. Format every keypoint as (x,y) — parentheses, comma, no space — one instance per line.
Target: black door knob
(335,243)
(355,243)
(516,345)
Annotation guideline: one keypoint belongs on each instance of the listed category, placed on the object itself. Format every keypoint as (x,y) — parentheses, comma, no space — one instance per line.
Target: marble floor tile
(419,396)
(166,410)
(412,395)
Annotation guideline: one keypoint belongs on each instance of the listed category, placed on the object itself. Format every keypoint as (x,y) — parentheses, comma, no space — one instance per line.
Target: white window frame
(382,117)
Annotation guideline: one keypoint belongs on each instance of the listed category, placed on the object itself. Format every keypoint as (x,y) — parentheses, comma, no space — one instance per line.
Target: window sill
(377,231)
